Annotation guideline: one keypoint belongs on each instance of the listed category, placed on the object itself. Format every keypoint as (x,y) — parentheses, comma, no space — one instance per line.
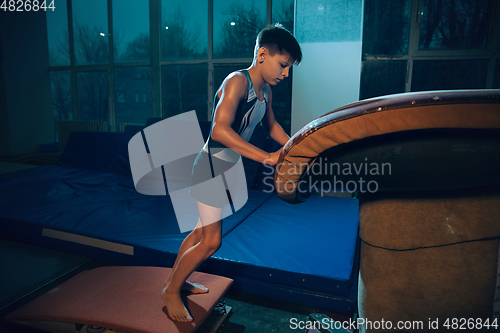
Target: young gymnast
(242,101)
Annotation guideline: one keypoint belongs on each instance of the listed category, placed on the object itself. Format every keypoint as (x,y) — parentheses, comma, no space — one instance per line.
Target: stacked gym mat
(88,205)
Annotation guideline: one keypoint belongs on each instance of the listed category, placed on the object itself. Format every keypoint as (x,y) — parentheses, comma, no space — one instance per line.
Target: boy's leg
(191,259)
(191,240)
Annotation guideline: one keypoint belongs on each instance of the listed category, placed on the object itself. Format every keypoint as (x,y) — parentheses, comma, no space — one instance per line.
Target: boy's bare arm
(275,130)
(233,91)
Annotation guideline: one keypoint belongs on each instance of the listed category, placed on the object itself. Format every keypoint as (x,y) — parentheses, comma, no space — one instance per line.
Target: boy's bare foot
(175,308)
(194,288)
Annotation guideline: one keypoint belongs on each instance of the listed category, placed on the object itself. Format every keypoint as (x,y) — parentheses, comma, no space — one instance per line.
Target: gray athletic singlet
(248,114)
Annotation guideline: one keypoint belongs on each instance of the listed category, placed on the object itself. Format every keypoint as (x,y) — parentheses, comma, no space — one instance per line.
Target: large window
(417,45)
(123,61)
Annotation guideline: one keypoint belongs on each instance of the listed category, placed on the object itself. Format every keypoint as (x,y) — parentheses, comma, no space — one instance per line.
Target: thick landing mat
(121,298)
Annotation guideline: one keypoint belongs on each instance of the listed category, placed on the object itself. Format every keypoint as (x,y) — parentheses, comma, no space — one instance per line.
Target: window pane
(90,30)
(131,30)
(386,27)
(236,26)
(454,24)
(221,72)
(496,78)
(184,89)
(61,95)
(184,29)
(283,13)
(382,77)
(129,83)
(92,96)
(449,74)
(57,33)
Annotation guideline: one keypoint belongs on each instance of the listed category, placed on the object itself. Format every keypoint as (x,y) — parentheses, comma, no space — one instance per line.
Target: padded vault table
(426,167)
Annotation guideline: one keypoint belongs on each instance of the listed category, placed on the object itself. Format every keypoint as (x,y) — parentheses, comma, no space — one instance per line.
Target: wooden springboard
(127,299)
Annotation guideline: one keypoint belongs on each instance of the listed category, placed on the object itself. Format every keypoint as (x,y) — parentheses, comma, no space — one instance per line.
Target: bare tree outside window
(454,24)
(238,30)
(184,89)
(136,50)
(93,99)
(89,48)
(184,86)
(57,24)
(179,41)
(131,20)
(93,86)
(61,95)
(283,13)
(386,27)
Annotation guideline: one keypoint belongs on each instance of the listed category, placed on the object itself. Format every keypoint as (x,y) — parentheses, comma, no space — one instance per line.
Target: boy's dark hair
(278,39)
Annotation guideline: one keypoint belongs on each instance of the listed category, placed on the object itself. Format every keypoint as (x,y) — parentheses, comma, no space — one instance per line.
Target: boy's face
(274,67)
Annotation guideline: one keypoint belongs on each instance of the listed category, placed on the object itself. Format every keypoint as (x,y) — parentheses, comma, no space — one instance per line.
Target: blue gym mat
(88,205)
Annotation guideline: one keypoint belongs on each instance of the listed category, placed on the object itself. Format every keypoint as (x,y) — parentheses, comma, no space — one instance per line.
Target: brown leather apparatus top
(412,141)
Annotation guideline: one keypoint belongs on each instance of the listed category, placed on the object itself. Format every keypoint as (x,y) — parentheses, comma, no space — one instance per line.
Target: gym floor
(29,271)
